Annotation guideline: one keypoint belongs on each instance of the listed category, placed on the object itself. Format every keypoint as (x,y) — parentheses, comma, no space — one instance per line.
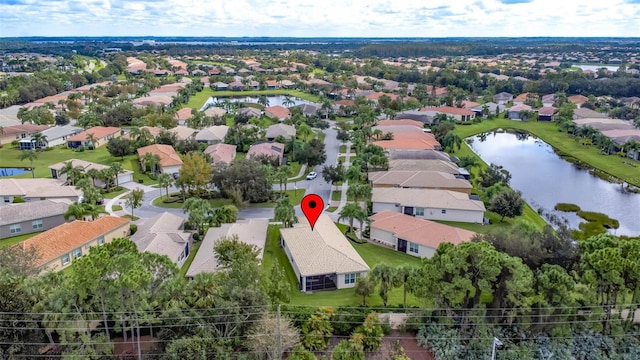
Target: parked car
(312,175)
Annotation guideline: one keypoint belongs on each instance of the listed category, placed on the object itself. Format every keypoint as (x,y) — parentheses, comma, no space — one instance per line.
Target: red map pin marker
(312,206)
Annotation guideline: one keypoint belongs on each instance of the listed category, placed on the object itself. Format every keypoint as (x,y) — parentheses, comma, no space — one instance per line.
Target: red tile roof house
(101,134)
(413,236)
(18,132)
(459,114)
(170,162)
(547,113)
(277,112)
(183,115)
(410,141)
(270,149)
(514,112)
(579,100)
(221,153)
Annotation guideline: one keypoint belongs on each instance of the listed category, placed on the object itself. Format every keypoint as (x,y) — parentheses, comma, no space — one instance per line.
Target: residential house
(220,86)
(605,124)
(30,217)
(250,112)
(413,236)
(183,115)
(490,108)
(622,136)
(515,112)
(19,132)
(586,113)
(236,86)
(459,114)
(419,180)
(212,134)
(418,155)
(322,258)
(164,234)
(502,98)
(253,232)
(344,107)
(277,112)
(183,132)
(101,134)
(37,189)
(56,171)
(59,247)
(410,140)
(416,115)
(221,153)
(381,124)
(170,162)
(429,204)
(215,112)
(424,165)
(285,131)
(522,98)
(579,100)
(548,100)
(56,136)
(269,149)
(547,113)
(153,100)
(632,102)
(308,109)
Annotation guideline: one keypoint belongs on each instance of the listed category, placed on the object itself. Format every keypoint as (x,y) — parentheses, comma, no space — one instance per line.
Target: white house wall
(382,236)
(470,216)
(378,207)
(342,285)
(170,169)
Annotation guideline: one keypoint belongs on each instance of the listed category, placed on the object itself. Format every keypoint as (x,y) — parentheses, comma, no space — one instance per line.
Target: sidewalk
(303,169)
(345,184)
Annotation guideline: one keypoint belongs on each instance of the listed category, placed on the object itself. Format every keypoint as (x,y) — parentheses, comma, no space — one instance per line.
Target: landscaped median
(548,132)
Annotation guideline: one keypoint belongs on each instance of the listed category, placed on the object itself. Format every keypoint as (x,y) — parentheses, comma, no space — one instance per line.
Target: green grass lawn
(16,239)
(113,194)
(240,156)
(198,100)
(342,159)
(548,132)
(295,168)
(273,254)
(336,195)
(374,255)
(295,196)
(332,208)
(343,149)
(116,207)
(192,255)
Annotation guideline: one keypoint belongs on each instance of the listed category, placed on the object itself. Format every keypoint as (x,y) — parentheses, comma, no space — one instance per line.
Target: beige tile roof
(183,132)
(32,210)
(168,156)
(418,179)
(409,122)
(252,232)
(98,132)
(266,148)
(51,244)
(83,164)
(37,188)
(428,198)
(213,133)
(183,114)
(221,153)
(162,235)
(426,165)
(215,111)
(419,231)
(324,250)
(284,130)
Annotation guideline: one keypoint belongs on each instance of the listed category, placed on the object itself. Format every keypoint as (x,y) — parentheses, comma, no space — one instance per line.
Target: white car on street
(312,175)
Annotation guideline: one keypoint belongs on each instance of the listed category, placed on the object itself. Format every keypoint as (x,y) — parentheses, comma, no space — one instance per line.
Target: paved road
(317,186)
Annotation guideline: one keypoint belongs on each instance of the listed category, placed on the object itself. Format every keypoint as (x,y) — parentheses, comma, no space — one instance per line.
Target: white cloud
(306,18)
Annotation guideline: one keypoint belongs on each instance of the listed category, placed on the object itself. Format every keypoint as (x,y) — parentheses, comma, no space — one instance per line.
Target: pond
(545,179)
(273,100)
(4,171)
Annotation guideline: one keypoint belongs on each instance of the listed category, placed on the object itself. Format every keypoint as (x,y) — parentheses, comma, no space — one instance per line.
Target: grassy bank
(198,100)
(548,132)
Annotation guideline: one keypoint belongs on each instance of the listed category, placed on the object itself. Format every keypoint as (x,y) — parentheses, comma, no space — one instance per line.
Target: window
(65,259)
(419,211)
(15,228)
(77,253)
(444,211)
(351,278)
(414,248)
(37,224)
(101,240)
(7,199)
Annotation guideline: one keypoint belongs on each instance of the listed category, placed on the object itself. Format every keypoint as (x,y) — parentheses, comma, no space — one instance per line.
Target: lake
(545,179)
(12,171)
(596,67)
(273,100)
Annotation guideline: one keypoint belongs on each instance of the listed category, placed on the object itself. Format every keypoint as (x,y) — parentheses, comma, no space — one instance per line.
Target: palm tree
(29,155)
(107,175)
(39,140)
(263,100)
(150,161)
(93,173)
(351,211)
(164,181)
(285,213)
(75,211)
(116,169)
(292,147)
(354,173)
(304,131)
(287,101)
(92,140)
(358,191)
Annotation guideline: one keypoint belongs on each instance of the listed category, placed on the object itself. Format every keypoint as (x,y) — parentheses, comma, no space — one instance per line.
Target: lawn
(332,209)
(198,100)
(336,195)
(113,194)
(345,297)
(116,207)
(342,159)
(16,239)
(343,149)
(548,132)
(295,196)
(192,255)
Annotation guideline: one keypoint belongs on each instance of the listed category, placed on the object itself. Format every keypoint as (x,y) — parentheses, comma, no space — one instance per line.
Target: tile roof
(325,250)
(213,133)
(168,156)
(418,179)
(277,111)
(252,232)
(221,153)
(547,110)
(23,129)
(32,188)
(83,164)
(417,140)
(578,99)
(517,108)
(284,130)
(588,113)
(449,110)
(419,231)
(31,210)
(183,132)
(98,132)
(183,114)
(162,234)
(214,111)
(428,198)
(424,164)
(62,239)
(156,100)
(266,148)
(400,122)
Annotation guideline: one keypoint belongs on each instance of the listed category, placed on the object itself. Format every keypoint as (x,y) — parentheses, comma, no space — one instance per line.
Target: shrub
(141,181)
(567,207)
(601,218)
(133,228)
(196,237)
(18,200)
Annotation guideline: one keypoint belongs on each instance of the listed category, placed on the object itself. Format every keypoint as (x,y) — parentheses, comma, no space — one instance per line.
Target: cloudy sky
(320,18)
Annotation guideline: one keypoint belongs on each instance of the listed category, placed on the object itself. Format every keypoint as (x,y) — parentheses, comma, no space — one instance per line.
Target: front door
(402,245)
(408,210)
